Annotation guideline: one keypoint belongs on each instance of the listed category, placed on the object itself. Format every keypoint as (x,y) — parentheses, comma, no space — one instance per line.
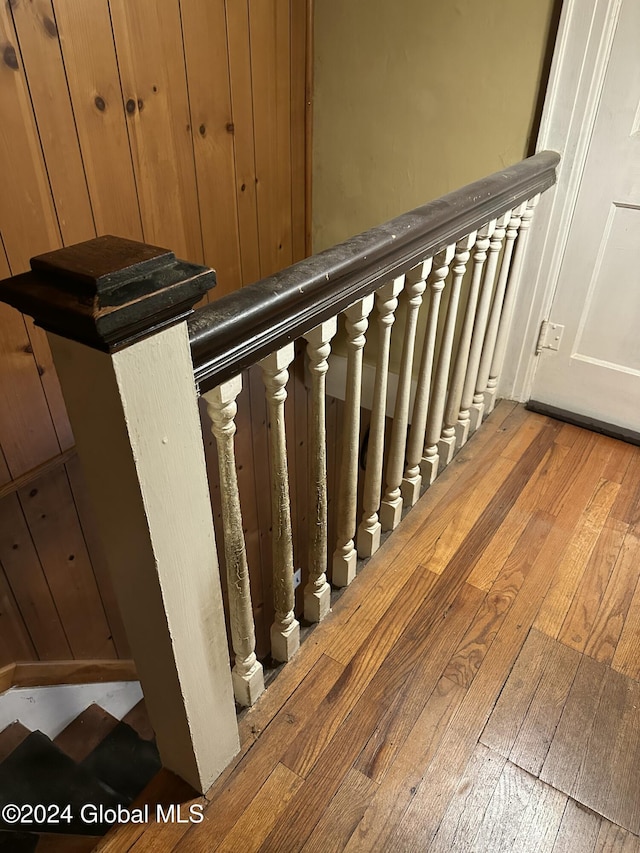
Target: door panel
(596,371)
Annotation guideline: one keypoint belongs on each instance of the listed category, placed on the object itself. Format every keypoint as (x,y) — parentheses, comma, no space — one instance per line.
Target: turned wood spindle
(368,538)
(447,443)
(317,593)
(391,506)
(471,402)
(345,556)
(430,461)
(510,299)
(285,631)
(247,674)
(412,480)
(482,397)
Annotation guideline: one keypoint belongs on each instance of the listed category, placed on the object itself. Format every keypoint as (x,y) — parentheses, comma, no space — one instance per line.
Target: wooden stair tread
(139,721)
(84,733)
(12,737)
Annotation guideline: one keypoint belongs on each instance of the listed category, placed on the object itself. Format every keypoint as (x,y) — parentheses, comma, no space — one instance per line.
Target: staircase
(97,762)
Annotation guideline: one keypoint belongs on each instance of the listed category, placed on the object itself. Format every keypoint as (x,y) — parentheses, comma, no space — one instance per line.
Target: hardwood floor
(477,688)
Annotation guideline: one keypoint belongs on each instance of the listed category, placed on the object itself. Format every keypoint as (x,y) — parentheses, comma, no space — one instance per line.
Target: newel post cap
(108,292)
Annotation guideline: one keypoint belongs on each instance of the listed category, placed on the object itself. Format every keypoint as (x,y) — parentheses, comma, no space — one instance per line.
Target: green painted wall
(415,98)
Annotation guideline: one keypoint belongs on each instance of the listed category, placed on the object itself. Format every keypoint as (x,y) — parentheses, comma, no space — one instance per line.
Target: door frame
(580,60)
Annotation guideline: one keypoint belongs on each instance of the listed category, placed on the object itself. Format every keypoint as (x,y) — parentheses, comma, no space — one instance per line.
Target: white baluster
(247,674)
(448,440)
(391,506)
(345,556)
(509,300)
(475,404)
(369,529)
(412,480)
(482,397)
(285,631)
(430,460)
(317,593)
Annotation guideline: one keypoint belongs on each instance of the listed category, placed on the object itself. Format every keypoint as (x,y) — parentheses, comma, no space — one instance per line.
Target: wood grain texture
(269,26)
(387,733)
(40,47)
(48,509)
(212,130)
(86,732)
(151,63)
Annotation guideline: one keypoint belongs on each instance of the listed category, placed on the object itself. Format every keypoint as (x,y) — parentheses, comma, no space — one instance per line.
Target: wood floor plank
(305,749)
(627,505)
(473,647)
(234,794)
(583,611)
(263,813)
(578,830)
(541,821)
(539,725)
(626,658)
(399,785)
(396,725)
(511,708)
(570,570)
(611,616)
(84,733)
(498,549)
(609,778)
(424,813)
(567,748)
(505,811)
(622,454)
(337,824)
(614,839)
(463,817)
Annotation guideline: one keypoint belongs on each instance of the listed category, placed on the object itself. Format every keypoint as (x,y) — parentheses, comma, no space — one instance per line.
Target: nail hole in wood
(202,130)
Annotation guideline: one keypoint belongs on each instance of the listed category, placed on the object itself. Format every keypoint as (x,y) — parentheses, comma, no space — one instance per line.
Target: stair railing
(130,354)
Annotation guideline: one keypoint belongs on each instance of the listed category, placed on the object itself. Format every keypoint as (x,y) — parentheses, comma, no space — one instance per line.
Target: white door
(596,371)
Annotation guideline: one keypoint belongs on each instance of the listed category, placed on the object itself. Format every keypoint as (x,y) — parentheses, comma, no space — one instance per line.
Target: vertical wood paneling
(40,47)
(49,509)
(154,89)
(298,126)
(242,107)
(92,74)
(180,123)
(270,65)
(205,49)
(29,584)
(27,216)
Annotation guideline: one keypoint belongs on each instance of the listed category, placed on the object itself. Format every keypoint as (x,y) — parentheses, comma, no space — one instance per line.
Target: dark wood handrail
(235,331)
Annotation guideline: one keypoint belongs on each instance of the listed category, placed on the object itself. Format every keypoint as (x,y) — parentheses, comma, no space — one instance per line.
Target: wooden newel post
(116,313)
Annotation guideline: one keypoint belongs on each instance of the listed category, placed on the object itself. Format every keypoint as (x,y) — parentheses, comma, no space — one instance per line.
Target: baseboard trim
(49,673)
(622,433)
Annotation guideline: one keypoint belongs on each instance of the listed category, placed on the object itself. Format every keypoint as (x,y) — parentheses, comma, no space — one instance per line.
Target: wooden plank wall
(181,123)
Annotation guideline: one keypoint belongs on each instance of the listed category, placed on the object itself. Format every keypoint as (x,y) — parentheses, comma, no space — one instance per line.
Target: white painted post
(510,298)
(345,556)
(483,397)
(430,459)
(285,631)
(317,593)
(450,437)
(471,402)
(369,530)
(391,506)
(247,674)
(121,350)
(412,479)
